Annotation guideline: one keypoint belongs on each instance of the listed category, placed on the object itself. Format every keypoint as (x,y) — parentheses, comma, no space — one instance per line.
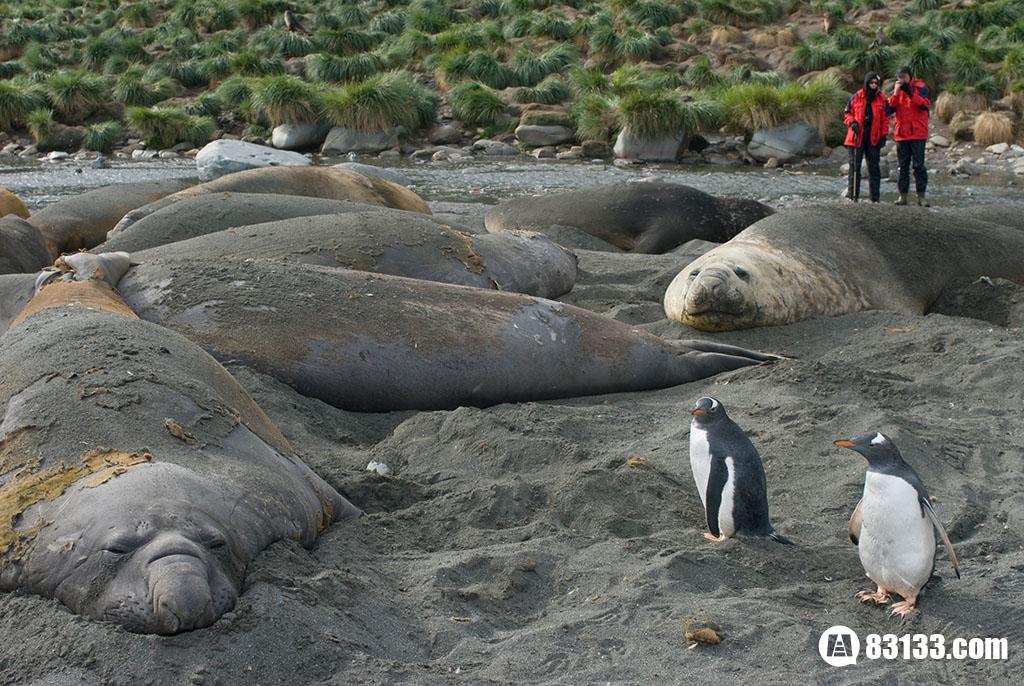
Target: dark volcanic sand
(515,545)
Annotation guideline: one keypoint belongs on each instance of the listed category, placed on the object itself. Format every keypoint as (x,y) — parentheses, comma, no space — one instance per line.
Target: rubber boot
(902,200)
(921,200)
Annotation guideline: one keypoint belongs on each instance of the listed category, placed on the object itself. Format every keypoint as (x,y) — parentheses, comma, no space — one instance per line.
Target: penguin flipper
(927,505)
(855,525)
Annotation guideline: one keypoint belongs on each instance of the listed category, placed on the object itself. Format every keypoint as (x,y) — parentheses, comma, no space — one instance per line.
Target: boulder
(62,138)
(998,148)
(380,172)
(341,140)
(662,149)
(538,136)
(596,149)
(299,136)
(489,147)
(786,143)
(443,134)
(229,156)
(12,204)
(544,153)
(939,141)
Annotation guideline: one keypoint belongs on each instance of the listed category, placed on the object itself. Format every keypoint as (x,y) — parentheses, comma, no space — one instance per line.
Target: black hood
(868,93)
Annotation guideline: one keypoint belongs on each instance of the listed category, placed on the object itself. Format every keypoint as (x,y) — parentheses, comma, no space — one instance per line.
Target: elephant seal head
(158,549)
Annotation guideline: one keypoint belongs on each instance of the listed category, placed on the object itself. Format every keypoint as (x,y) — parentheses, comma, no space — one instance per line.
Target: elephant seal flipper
(137,479)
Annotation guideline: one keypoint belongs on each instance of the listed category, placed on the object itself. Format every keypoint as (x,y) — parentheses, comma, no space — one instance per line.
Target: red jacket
(911,112)
(855,110)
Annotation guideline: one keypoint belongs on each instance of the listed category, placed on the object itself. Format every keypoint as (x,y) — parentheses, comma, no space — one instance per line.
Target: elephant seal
(313,182)
(214,212)
(137,479)
(12,204)
(373,342)
(83,221)
(825,261)
(22,247)
(647,217)
(394,242)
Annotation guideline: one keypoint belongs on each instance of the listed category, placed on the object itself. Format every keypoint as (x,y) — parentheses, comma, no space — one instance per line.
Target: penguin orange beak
(843,444)
(697,412)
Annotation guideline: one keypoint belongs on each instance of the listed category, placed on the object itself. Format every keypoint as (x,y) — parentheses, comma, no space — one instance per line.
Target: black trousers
(872,154)
(907,152)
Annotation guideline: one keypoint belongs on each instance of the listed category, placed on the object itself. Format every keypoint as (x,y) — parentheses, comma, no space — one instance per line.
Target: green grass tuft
(101,137)
(76,94)
(286,99)
(381,102)
(550,91)
(475,104)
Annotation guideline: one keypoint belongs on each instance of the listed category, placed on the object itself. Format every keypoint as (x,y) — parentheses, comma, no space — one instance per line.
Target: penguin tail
(776,536)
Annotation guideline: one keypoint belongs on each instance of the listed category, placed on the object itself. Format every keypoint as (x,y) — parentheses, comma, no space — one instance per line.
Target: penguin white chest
(897,540)
(700,461)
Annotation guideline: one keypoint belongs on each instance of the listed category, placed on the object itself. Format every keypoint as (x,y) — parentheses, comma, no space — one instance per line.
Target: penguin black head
(877,448)
(708,410)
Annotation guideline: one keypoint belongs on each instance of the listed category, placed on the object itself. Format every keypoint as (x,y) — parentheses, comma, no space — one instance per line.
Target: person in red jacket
(867,116)
(910,104)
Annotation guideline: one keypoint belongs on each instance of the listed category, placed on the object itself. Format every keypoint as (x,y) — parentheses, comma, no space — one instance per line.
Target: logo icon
(839,646)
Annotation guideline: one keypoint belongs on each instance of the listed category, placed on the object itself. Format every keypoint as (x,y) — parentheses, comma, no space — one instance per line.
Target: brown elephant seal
(313,182)
(12,204)
(824,261)
(374,342)
(394,242)
(647,217)
(82,222)
(137,479)
(212,212)
(22,247)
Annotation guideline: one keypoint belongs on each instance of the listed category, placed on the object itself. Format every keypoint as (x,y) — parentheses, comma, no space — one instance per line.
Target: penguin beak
(697,412)
(843,444)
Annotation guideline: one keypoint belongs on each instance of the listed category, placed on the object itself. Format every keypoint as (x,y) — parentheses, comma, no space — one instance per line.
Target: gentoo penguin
(729,475)
(894,525)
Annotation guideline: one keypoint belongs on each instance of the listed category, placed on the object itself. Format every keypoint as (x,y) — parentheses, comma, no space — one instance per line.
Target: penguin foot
(716,539)
(904,608)
(880,597)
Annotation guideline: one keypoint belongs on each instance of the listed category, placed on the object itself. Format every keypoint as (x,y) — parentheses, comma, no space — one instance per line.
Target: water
(486,181)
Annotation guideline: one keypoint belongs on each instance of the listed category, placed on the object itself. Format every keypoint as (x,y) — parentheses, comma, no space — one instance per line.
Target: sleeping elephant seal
(22,247)
(647,217)
(212,212)
(313,182)
(83,221)
(137,479)
(12,204)
(824,261)
(393,242)
(374,342)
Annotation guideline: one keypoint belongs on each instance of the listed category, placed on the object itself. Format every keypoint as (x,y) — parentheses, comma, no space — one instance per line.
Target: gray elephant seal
(213,212)
(82,222)
(394,242)
(648,217)
(313,182)
(819,261)
(137,479)
(373,342)
(22,247)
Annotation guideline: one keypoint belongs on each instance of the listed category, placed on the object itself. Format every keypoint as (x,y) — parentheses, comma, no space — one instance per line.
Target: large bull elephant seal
(22,247)
(823,261)
(137,479)
(83,221)
(313,182)
(373,342)
(393,242)
(647,217)
(214,212)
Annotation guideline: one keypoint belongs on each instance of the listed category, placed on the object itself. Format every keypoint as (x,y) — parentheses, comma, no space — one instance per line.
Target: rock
(379,172)
(444,133)
(596,149)
(981,160)
(961,167)
(489,147)
(143,154)
(228,156)
(998,148)
(10,148)
(445,153)
(662,149)
(389,155)
(535,136)
(422,154)
(545,153)
(570,154)
(61,138)
(379,467)
(168,155)
(57,156)
(183,147)
(939,141)
(785,143)
(720,160)
(99,163)
(12,204)
(30,151)
(341,140)
(299,136)
(772,163)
